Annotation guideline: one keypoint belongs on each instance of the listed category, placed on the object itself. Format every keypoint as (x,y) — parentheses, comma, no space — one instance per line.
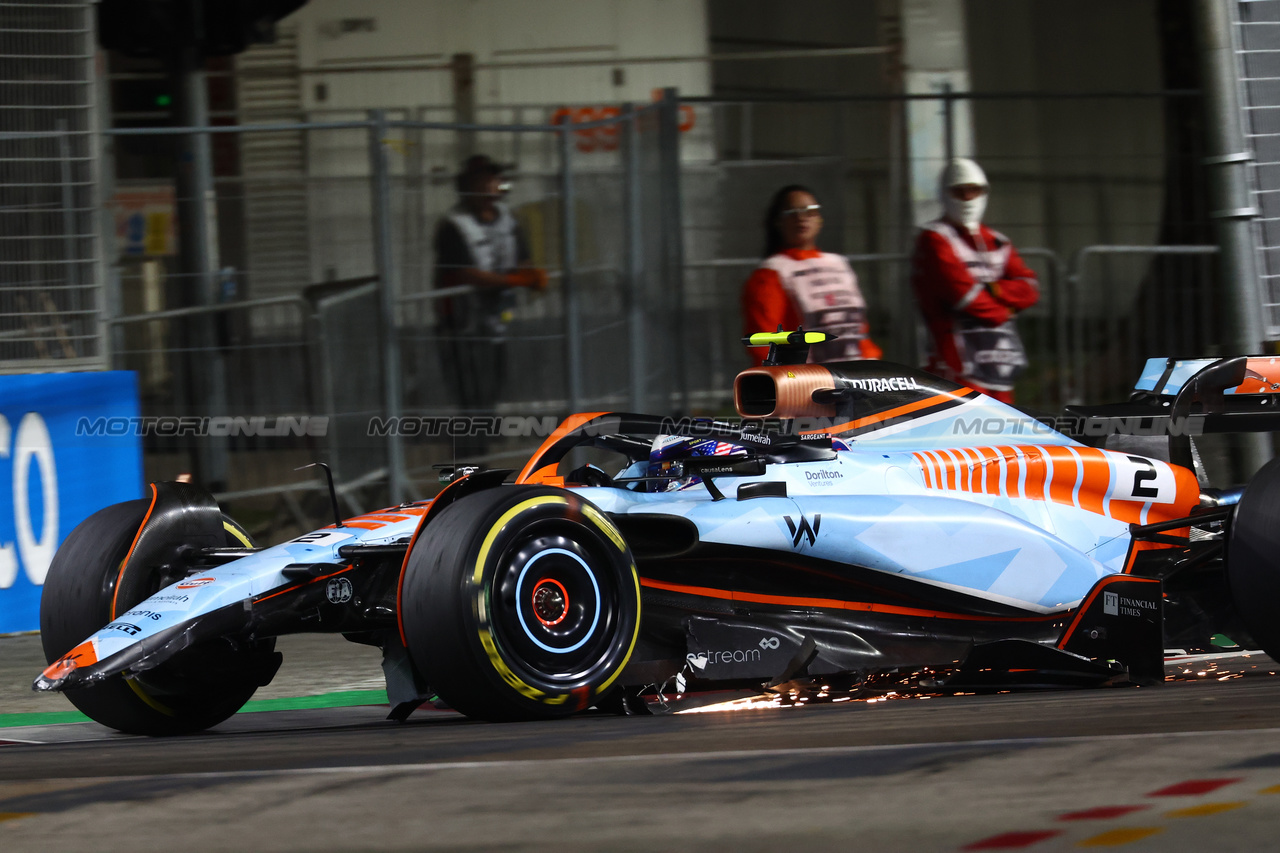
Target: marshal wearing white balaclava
(959,172)
(969,283)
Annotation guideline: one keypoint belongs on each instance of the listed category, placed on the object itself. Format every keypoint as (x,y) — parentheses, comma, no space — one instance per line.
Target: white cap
(961,171)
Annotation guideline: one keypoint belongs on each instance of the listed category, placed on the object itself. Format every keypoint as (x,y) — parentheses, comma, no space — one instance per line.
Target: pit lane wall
(56,469)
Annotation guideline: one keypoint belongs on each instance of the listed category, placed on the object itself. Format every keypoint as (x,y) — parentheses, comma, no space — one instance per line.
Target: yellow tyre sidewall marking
(605,526)
(148,698)
(239,534)
(635,636)
(482,615)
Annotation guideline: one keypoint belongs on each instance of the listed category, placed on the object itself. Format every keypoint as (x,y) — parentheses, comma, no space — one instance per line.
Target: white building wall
(336,36)
(500,31)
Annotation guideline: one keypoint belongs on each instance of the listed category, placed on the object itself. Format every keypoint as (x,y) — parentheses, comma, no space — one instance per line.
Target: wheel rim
(555,602)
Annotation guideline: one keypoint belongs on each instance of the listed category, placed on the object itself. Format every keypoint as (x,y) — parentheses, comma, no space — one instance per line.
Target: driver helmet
(667,451)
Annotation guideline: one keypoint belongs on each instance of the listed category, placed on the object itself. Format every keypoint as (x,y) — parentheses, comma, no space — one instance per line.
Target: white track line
(719,755)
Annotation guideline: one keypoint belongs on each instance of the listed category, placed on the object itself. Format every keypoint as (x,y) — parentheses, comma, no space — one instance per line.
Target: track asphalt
(1191,765)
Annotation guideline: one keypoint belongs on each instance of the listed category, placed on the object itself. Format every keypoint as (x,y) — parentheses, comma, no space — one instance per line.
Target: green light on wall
(163,100)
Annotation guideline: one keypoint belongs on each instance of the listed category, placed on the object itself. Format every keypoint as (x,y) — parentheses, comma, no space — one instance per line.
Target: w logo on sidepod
(804,531)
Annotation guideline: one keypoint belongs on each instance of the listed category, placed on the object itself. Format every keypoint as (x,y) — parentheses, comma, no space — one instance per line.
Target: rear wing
(1166,377)
(1181,398)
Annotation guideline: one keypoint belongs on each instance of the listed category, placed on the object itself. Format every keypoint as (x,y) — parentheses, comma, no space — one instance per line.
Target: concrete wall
(337,33)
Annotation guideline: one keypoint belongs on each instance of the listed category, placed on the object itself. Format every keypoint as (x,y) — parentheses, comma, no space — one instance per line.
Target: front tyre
(197,688)
(521,603)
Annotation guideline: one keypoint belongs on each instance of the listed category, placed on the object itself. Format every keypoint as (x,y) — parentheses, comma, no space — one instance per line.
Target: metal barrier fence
(50,274)
(1132,302)
(357,337)
(1256,40)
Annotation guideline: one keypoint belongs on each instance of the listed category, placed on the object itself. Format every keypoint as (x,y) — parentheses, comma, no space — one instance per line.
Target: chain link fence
(50,316)
(1257,45)
(347,359)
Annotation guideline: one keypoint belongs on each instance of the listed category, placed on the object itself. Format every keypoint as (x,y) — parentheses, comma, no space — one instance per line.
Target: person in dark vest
(969,283)
(797,284)
(479,243)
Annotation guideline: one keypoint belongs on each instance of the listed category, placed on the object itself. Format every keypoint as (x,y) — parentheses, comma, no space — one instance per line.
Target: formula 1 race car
(862,520)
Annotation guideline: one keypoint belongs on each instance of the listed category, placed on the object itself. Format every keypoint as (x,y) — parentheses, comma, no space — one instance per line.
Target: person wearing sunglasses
(799,285)
(969,283)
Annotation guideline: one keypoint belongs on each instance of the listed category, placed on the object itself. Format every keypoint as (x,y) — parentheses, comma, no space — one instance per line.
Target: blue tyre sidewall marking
(520,597)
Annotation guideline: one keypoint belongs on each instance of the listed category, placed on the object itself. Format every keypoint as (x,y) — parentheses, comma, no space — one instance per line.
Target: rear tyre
(197,688)
(1253,558)
(521,603)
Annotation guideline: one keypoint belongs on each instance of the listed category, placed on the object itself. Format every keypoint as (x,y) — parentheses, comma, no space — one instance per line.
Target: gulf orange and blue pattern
(1083,477)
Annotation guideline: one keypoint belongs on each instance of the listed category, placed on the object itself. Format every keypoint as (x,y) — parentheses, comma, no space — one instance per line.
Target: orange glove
(528,277)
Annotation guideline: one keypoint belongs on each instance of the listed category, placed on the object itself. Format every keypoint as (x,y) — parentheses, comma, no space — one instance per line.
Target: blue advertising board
(55,472)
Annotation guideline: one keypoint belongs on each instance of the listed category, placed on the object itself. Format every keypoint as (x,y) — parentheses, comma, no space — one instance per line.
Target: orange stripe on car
(1006,460)
(1097,479)
(935,470)
(115,595)
(304,583)
(978,468)
(945,475)
(1041,469)
(949,477)
(990,470)
(931,465)
(957,467)
(935,400)
(1071,476)
(834,603)
(924,469)
(567,426)
(965,468)
(1013,473)
(1066,471)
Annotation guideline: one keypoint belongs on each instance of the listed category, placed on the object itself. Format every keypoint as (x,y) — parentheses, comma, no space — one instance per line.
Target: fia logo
(1111,603)
(803,531)
(338,591)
